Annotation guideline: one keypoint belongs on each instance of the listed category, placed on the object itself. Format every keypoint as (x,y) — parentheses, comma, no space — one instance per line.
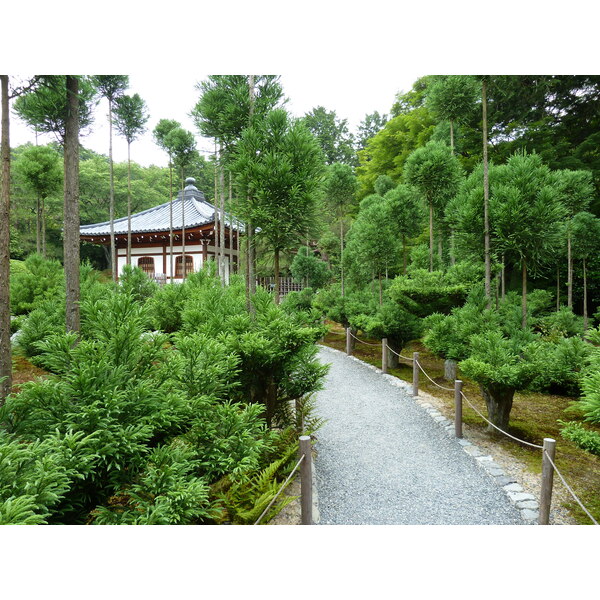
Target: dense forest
(467,218)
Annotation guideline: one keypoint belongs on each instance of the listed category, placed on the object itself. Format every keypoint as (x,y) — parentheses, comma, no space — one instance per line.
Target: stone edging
(526,503)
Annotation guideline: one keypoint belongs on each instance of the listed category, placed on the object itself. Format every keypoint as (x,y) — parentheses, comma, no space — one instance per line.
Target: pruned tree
(453,98)
(280,166)
(228,104)
(576,192)
(527,216)
(407,214)
(131,116)
(111,87)
(39,167)
(183,148)
(161,131)
(585,232)
(436,173)
(340,188)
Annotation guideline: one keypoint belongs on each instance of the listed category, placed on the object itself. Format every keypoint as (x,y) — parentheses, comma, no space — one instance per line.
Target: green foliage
(559,324)
(166,493)
(453,97)
(332,134)
(435,172)
(134,282)
(279,166)
(36,476)
(390,321)
(584,438)
(423,292)
(130,116)
(41,169)
(307,267)
(166,306)
(383,184)
(41,279)
(45,107)
(387,151)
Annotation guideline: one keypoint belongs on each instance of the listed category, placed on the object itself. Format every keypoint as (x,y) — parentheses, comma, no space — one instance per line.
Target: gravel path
(382,460)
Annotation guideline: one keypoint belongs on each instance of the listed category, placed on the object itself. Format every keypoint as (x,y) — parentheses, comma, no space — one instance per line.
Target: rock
(530,504)
(530,515)
(518,496)
(513,487)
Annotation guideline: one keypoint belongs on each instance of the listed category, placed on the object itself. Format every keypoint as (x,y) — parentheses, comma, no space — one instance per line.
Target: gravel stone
(513,487)
(518,496)
(381,459)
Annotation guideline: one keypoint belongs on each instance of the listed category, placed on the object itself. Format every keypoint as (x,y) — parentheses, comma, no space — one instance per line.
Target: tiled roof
(197,212)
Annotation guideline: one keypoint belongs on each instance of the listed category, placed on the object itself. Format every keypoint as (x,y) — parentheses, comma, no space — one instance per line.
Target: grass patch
(534,416)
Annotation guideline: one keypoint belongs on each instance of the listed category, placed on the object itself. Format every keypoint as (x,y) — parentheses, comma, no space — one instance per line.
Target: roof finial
(190,181)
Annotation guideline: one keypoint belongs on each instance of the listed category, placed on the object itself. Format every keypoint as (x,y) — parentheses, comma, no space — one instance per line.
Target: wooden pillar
(458,408)
(384,355)
(415,374)
(306,480)
(547,481)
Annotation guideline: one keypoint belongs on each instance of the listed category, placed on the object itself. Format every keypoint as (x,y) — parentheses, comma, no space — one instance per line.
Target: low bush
(584,438)
(40,279)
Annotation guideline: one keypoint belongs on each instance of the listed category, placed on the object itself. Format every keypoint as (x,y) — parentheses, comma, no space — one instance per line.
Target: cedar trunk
(486,200)
(276,268)
(5,348)
(585,311)
(128,203)
(71,205)
(524,298)
(498,400)
(430,236)
(113,251)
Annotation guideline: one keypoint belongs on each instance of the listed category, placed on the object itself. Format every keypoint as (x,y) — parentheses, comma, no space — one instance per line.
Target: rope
(397,353)
(361,341)
(432,381)
(280,490)
(498,428)
(569,489)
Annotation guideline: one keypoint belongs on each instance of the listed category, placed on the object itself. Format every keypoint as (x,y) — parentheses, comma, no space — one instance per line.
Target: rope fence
(285,484)
(305,465)
(548,467)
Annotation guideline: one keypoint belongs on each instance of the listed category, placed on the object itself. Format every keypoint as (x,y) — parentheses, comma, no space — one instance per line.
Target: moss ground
(533,417)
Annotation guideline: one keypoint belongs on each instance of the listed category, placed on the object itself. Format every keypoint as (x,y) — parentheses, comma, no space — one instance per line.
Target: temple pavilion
(192,216)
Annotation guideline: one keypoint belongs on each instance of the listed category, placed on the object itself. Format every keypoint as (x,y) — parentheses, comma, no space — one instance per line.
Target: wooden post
(415,374)
(547,480)
(458,408)
(348,342)
(298,415)
(384,355)
(306,480)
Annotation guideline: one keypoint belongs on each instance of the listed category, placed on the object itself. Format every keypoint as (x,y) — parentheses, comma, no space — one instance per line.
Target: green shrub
(135,282)
(166,493)
(560,324)
(584,438)
(166,305)
(41,279)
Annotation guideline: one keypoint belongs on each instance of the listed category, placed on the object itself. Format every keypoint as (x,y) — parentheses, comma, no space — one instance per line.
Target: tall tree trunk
(585,308)
(38,225)
(183,261)
(276,268)
(231,229)
(5,348)
(524,298)
(222,215)
(171,219)
(111,209)
(217,242)
(43,227)
(569,272)
(128,203)
(342,253)
(430,236)
(557,288)
(503,278)
(71,205)
(486,198)
(251,281)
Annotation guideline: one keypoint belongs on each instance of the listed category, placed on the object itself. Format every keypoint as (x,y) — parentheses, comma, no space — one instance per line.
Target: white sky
(173,96)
